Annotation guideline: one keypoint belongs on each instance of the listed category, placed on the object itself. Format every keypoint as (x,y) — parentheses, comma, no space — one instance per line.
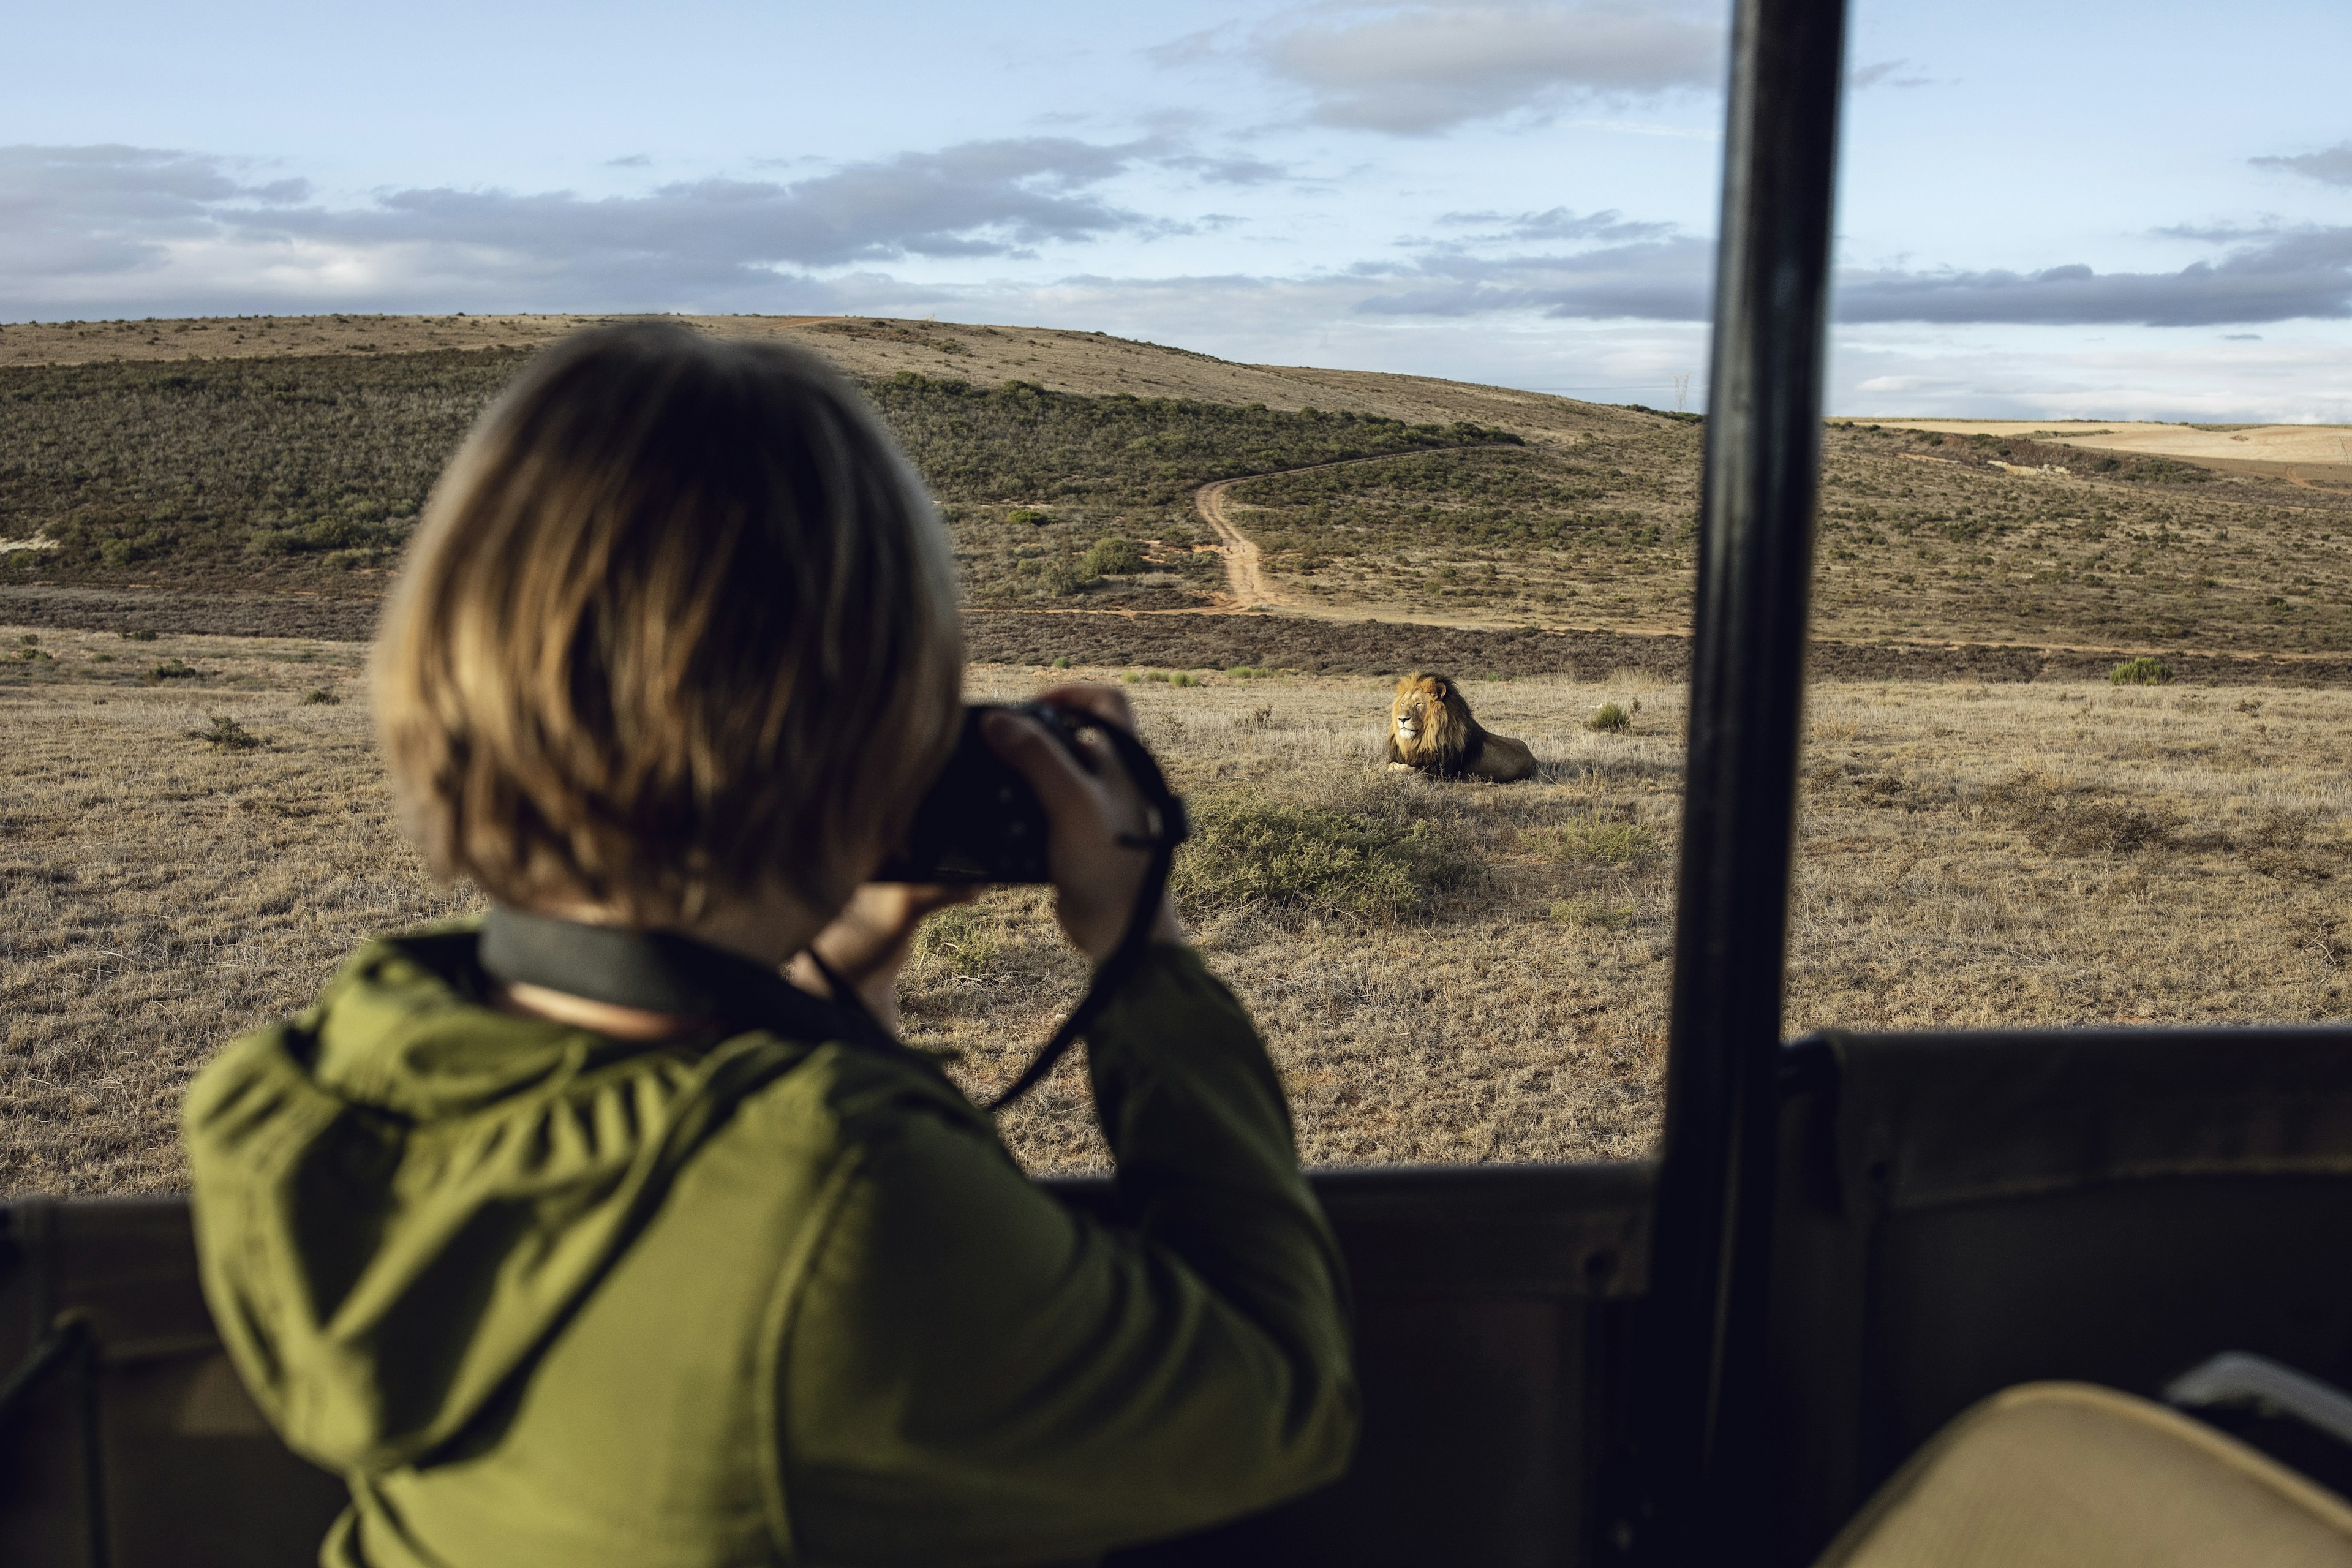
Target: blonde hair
(679,623)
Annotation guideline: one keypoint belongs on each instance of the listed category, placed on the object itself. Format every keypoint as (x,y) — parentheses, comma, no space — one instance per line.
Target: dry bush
(1366,855)
(2076,819)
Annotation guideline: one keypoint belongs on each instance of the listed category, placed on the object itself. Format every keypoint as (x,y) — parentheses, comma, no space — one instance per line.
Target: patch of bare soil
(228,613)
(1381,648)
(1170,637)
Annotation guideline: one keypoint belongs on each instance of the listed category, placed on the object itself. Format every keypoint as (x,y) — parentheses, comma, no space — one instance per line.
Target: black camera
(980,821)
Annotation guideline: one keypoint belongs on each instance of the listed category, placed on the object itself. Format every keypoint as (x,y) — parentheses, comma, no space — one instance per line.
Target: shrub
(1112,556)
(335,536)
(1612,720)
(1600,840)
(320,697)
(139,637)
(1061,579)
(2059,819)
(1062,661)
(1578,912)
(1029,516)
(173,669)
(1367,861)
(226,735)
(2141,671)
(1249,672)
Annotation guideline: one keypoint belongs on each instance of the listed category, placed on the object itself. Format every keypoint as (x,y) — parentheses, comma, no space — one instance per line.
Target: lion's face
(1425,716)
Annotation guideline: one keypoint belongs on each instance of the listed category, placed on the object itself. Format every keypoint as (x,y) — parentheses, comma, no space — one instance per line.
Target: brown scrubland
(1446,971)
(197,519)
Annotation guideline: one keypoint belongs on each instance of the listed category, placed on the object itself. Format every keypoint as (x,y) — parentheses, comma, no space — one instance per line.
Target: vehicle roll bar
(1703,1351)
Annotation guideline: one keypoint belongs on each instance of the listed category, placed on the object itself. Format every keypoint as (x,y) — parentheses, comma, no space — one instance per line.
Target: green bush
(1604,841)
(1062,661)
(173,669)
(1579,912)
(139,637)
(1368,862)
(320,697)
(1028,516)
(1112,556)
(1612,720)
(2141,671)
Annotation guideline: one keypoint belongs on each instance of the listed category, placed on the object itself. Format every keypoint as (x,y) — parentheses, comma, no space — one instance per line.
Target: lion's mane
(1450,743)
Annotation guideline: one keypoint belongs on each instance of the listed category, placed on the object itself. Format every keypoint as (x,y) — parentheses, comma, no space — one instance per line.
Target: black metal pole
(1747,666)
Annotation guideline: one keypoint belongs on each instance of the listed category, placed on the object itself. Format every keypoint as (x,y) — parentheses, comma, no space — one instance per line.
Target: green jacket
(547,1298)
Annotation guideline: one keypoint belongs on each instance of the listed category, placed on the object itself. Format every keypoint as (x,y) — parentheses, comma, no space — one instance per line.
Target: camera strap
(1170,827)
(663,972)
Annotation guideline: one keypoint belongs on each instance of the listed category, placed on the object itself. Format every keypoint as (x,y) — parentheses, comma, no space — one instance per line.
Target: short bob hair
(679,625)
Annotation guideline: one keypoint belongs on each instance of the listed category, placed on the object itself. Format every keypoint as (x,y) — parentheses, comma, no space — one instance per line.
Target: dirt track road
(1244,585)
(1248,587)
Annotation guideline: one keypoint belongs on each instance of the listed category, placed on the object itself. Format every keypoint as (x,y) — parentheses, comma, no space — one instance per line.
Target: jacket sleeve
(973,1373)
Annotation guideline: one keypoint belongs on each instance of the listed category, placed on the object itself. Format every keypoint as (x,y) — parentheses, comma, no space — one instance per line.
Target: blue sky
(2074,209)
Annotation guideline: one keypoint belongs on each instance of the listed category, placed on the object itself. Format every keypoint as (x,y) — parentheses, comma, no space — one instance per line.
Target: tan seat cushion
(2066,1475)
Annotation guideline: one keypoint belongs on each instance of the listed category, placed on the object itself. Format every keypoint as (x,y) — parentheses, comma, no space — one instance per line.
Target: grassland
(194,828)
(303,473)
(1922,535)
(1446,971)
(308,472)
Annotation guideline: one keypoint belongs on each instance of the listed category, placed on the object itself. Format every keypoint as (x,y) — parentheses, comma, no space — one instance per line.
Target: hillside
(285,460)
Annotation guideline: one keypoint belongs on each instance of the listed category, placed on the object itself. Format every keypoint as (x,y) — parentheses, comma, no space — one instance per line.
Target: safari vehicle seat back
(1958,1213)
(1491,1311)
(2067,1474)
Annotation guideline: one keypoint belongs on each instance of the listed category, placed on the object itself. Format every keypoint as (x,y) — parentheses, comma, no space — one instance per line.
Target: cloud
(1559,223)
(80,224)
(1665,278)
(2276,276)
(634,161)
(2242,337)
(1888,73)
(1234,171)
(105,210)
(2128,373)
(2331,167)
(114,230)
(1413,69)
(1652,271)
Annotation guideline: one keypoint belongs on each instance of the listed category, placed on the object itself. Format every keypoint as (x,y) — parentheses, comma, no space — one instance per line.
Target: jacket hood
(400,1194)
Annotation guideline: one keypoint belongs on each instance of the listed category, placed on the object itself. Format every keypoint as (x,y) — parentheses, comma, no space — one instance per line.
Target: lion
(1431,730)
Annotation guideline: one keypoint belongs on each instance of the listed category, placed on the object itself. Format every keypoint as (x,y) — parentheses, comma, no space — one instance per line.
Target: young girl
(578,1236)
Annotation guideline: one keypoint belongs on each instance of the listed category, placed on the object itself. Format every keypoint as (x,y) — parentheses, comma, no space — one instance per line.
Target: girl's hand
(1096,877)
(867,943)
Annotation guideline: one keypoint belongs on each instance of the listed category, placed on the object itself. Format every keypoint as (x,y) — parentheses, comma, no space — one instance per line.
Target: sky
(2082,209)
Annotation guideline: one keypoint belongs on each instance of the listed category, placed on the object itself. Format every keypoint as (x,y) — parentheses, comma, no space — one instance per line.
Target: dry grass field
(1446,971)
